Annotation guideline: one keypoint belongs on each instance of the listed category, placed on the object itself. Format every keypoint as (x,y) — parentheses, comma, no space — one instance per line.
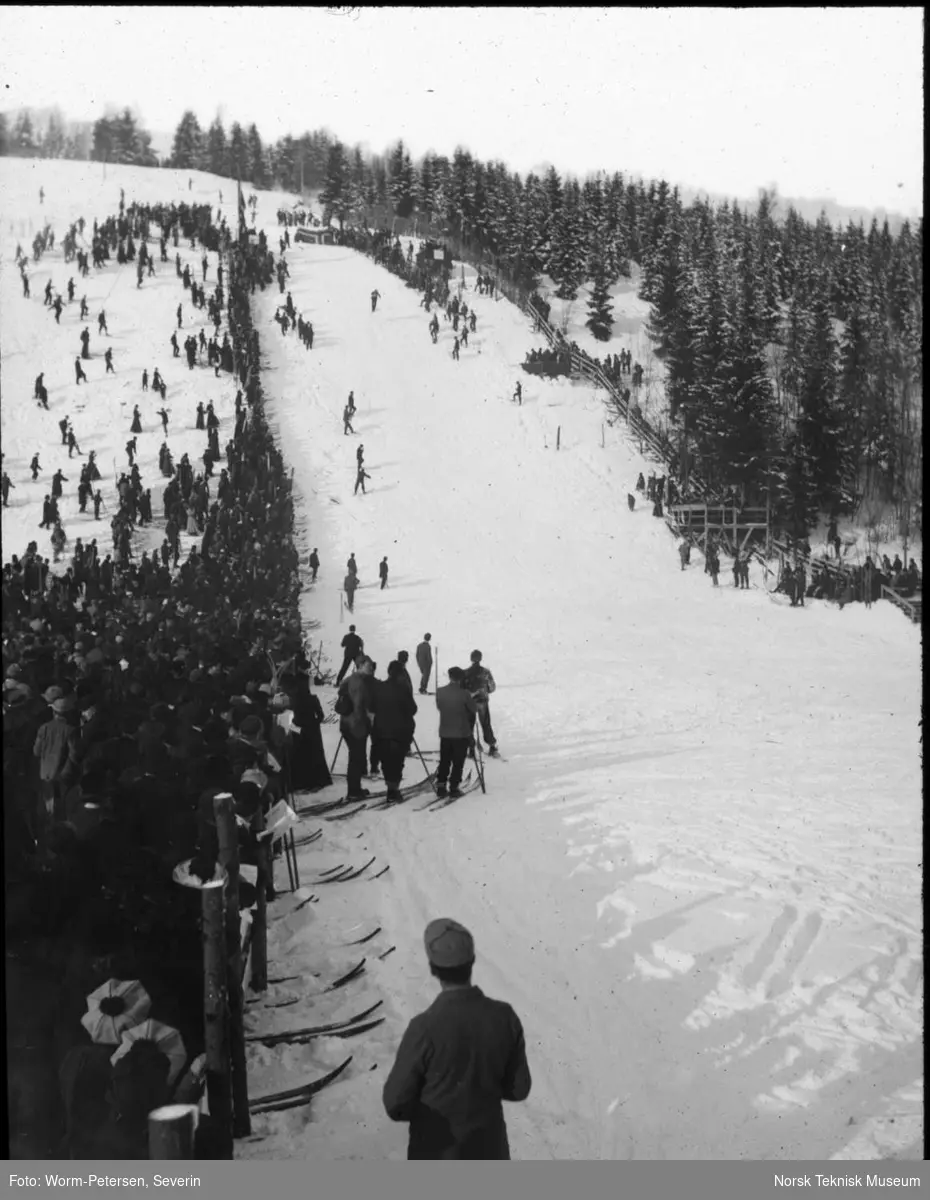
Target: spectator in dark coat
(352,646)
(457,712)
(356,725)
(457,1061)
(394,708)
(307,757)
(425,662)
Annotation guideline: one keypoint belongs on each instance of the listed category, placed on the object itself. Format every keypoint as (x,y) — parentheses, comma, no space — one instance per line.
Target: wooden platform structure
(731,527)
(909,605)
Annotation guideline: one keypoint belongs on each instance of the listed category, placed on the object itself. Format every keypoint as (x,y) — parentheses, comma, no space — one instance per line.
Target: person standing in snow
(457,1061)
(457,712)
(164,419)
(518,393)
(355,725)
(108,359)
(35,467)
(360,453)
(79,376)
(394,709)
(347,421)
(349,584)
(350,404)
(360,478)
(314,564)
(102,323)
(455,350)
(375,297)
(6,486)
(480,683)
(425,662)
(383,572)
(352,647)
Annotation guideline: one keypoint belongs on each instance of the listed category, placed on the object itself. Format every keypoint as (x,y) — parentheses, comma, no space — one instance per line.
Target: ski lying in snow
(383,871)
(368,936)
(312,1031)
(348,875)
(447,800)
(351,812)
(313,837)
(315,810)
(348,977)
(333,871)
(357,1029)
(279,1101)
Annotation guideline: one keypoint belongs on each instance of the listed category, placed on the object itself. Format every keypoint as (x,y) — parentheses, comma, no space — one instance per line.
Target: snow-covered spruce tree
(401,182)
(568,257)
(258,173)
(336,193)
(600,308)
(240,160)
(217,149)
(794,489)
(821,422)
(187,149)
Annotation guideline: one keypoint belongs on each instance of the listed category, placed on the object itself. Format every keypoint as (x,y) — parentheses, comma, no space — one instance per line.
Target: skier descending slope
(458,1060)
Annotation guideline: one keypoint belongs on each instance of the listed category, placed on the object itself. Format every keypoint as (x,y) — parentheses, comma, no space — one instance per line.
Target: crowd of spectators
(131,696)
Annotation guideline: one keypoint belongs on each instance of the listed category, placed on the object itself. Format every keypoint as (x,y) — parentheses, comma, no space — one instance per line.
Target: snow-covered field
(697,873)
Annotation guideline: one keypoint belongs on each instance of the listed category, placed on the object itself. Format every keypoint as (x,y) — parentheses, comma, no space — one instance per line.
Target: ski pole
(479,761)
(336,755)
(431,781)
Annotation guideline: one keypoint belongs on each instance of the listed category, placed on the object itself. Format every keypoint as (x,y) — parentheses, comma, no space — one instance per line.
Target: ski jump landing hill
(696,876)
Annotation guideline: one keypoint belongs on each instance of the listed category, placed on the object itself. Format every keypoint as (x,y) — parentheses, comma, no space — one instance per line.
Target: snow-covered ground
(696,875)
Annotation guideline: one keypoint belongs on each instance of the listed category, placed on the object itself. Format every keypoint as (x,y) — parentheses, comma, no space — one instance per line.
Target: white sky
(823,103)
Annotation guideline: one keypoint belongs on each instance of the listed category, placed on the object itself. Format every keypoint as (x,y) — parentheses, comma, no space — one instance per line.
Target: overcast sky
(820,102)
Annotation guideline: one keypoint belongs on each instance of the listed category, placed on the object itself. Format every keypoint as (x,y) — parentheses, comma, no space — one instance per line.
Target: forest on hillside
(792,350)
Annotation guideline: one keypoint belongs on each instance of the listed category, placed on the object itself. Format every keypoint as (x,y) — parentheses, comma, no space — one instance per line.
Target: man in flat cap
(457,1060)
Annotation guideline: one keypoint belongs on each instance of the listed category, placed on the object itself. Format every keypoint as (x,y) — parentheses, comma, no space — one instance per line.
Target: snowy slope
(696,876)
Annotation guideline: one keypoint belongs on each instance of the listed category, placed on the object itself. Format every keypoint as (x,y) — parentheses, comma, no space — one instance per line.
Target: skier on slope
(375,297)
(352,646)
(425,662)
(480,682)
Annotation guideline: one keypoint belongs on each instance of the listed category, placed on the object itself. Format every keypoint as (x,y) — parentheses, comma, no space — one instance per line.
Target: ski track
(697,878)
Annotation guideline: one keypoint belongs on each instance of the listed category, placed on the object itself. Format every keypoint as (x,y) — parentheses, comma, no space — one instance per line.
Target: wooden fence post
(171,1131)
(215,1001)
(259,981)
(228,843)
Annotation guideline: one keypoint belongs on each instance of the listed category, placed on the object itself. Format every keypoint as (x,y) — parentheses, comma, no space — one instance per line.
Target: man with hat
(457,1060)
(56,748)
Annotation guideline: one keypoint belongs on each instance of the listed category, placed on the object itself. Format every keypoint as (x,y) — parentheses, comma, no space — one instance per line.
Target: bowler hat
(448,944)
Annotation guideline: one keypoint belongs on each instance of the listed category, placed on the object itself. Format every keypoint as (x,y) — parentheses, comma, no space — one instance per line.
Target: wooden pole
(171,1131)
(228,858)
(259,981)
(215,1001)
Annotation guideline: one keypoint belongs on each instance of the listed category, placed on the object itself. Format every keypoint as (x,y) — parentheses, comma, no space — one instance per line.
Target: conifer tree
(600,307)
(187,149)
(217,150)
(336,194)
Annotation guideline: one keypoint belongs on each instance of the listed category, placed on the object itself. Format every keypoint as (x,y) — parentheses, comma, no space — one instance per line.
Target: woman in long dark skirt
(309,771)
